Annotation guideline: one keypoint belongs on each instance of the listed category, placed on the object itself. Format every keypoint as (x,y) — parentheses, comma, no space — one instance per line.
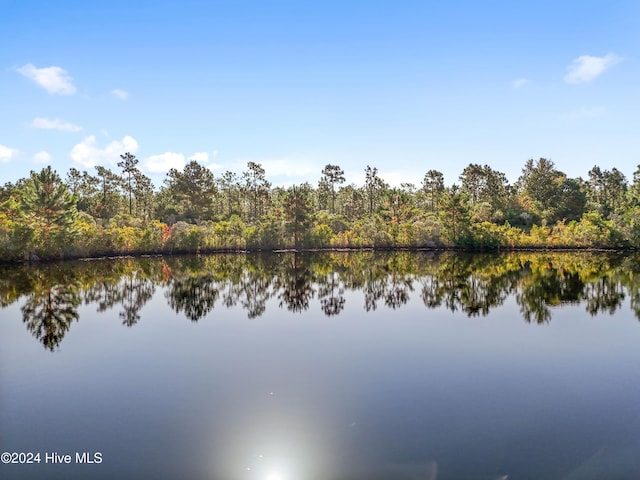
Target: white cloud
(519,82)
(87,154)
(395,178)
(54,80)
(214,154)
(202,157)
(120,94)
(55,124)
(6,153)
(585,68)
(42,157)
(164,162)
(286,170)
(584,113)
(293,167)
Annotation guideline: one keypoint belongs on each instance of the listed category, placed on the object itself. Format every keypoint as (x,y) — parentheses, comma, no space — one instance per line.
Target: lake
(321,366)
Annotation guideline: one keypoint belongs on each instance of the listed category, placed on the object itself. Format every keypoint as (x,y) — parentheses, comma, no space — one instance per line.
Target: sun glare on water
(274,476)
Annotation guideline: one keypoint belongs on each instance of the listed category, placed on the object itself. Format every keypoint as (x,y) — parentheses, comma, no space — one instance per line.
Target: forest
(111,213)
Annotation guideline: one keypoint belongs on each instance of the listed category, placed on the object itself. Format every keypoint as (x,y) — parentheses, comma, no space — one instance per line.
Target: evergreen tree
(49,211)
(487,190)
(84,187)
(374,187)
(298,214)
(540,187)
(143,193)
(128,165)
(110,200)
(332,175)
(454,215)
(256,188)
(432,188)
(606,191)
(194,190)
(230,187)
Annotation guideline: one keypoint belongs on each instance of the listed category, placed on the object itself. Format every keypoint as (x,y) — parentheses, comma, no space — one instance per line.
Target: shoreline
(217,251)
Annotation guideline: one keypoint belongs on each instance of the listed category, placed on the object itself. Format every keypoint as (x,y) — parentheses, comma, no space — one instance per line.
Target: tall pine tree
(49,210)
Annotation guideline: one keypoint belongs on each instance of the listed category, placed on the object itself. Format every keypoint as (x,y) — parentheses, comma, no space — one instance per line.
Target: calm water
(325,366)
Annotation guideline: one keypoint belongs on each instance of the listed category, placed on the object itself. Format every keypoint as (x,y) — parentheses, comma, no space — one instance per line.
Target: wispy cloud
(394,177)
(164,162)
(586,68)
(299,167)
(7,154)
(42,157)
(54,80)
(289,169)
(519,82)
(120,94)
(87,154)
(202,157)
(584,113)
(56,124)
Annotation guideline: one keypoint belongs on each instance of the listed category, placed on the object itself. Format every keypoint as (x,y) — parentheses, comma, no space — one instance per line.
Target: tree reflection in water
(193,285)
(131,291)
(294,283)
(195,295)
(331,294)
(604,295)
(51,307)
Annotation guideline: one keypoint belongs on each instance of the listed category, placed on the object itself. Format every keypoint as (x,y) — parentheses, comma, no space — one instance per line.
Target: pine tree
(49,210)
(332,175)
(454,215)
(298,214)
(128,165)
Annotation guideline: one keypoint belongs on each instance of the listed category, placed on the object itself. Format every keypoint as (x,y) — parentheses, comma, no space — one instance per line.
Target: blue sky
(405,86)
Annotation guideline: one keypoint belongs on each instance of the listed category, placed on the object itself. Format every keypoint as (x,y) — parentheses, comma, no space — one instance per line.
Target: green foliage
(298,215)
(607,191)
(487,235)
(48,212)
(192,192)
(88,235)
(454,216)
(185,237)
(256,187)
(153,236)
(487,191)
(540,185)
(332,175)
(128,165)
(374,188)
(109,214)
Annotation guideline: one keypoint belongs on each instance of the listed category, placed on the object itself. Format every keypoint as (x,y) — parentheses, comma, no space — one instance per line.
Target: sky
(403,86)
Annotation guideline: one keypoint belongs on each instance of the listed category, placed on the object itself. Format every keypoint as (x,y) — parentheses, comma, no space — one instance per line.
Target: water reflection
(294,282)
(194,285)
(195,295)
(51,307)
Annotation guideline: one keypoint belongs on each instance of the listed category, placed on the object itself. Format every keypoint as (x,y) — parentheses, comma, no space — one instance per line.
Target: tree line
(107,212)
